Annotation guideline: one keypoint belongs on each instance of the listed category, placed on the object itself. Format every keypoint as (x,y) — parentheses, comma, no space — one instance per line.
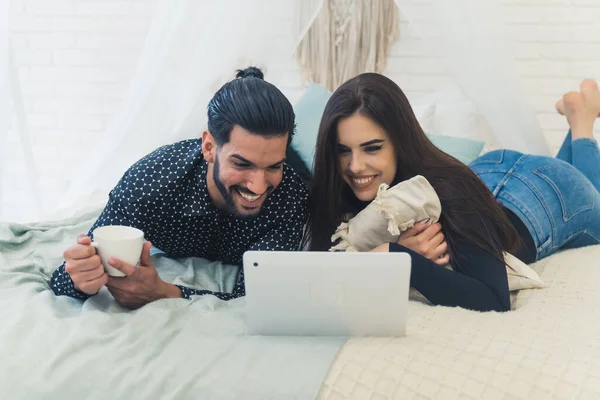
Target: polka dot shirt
(165,194)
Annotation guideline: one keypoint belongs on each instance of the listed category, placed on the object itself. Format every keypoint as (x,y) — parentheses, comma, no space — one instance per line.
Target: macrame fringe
(347,38)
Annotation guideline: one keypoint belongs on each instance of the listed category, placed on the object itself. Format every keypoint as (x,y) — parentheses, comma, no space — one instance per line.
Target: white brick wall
(556,44)
(75,59)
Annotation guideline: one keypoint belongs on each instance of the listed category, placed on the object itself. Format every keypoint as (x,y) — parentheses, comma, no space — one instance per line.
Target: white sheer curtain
(4,95)
(471,36)
(37,208)
(192,48)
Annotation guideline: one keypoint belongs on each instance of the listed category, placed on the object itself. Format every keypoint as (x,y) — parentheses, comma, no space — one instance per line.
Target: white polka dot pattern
(165,195)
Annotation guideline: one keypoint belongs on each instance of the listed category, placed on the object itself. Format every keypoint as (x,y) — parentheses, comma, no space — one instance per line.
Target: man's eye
(240,165)
(276,167)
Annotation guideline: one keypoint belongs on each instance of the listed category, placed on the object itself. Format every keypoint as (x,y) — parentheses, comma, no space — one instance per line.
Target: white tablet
(327,293)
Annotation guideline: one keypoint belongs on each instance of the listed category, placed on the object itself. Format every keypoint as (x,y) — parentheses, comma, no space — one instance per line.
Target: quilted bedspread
(548,347)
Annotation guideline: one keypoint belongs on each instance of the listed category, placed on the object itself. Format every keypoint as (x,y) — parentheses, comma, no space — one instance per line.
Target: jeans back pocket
(573,190)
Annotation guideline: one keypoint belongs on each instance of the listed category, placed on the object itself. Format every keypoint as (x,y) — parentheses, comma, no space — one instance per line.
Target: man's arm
(142,285)
(133,202)
(478,280)
(79,260)
(133,291)
(285,237)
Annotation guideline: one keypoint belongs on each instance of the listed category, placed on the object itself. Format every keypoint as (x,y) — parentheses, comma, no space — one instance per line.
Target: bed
(548,347)
(57,347)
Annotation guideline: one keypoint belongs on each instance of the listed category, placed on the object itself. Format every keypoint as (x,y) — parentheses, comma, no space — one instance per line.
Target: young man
(213,198)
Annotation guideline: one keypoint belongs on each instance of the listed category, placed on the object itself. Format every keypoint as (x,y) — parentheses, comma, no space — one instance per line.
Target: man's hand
(141,285)
(428,241)
(84,267)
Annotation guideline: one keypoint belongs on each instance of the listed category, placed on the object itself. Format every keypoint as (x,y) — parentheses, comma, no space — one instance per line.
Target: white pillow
(450,112)
(397,209)
(391,212)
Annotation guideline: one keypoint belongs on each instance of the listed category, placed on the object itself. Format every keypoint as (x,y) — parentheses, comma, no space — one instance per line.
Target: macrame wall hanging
(348,37)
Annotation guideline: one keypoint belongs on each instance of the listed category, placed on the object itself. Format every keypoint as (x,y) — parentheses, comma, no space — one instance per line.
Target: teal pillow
(309,110)
(308,117)
(466,150)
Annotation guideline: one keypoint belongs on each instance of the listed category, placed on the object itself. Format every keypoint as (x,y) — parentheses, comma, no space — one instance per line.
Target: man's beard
(228,194)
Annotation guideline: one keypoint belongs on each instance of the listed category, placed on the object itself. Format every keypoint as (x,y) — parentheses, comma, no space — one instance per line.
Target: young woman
(529,206)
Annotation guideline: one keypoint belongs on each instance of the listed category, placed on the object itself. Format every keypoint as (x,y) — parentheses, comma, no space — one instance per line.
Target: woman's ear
(209,146)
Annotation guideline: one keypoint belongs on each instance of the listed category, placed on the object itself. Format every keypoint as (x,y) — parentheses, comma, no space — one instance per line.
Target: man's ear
(209,147)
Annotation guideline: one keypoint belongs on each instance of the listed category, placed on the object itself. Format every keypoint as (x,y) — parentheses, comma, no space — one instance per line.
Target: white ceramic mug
(122,242)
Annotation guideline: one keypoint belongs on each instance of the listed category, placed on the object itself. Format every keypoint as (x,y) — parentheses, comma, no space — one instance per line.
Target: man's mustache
(244,190)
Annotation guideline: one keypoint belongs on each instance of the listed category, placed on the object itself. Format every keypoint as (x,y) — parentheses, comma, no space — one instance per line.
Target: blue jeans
(558,199)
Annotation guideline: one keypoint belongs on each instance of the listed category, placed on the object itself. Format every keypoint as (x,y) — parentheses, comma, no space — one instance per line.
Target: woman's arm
(479,283)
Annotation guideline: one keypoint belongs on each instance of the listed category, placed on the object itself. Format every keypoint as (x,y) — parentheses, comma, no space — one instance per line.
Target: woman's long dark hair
(466,201)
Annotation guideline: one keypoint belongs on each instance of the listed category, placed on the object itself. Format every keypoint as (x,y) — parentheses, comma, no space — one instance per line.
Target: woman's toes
(591,96)
(560,107)
(572,102)
(579,116)
(588,86)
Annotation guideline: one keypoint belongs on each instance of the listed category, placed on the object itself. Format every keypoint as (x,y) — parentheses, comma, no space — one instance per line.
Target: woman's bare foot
(581,109)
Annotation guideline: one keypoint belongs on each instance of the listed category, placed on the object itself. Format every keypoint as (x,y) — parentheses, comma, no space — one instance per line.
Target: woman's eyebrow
(370,142)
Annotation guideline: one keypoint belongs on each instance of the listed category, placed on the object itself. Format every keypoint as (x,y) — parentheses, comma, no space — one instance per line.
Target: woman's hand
(428,241)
